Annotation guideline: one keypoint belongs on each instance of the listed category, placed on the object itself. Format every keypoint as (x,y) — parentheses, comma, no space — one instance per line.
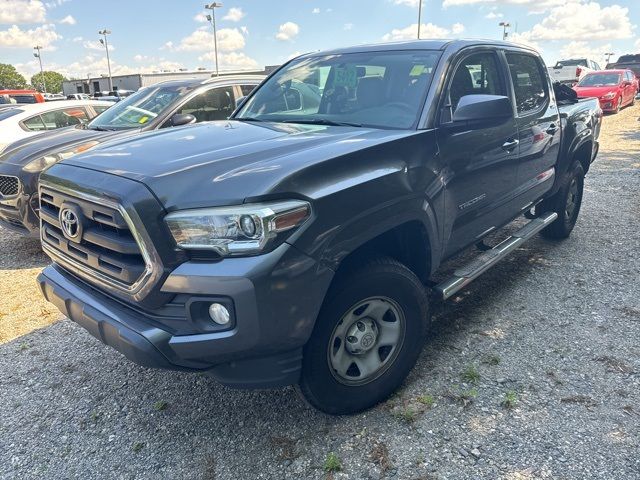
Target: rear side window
(529,83)
(24,98)
(215,104)
(34,124)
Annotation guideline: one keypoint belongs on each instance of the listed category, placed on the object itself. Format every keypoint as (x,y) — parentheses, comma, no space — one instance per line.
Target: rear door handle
(510,145)
(553,128)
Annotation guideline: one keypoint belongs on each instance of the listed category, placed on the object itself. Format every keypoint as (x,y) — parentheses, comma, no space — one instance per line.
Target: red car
(23,96)
(614,88)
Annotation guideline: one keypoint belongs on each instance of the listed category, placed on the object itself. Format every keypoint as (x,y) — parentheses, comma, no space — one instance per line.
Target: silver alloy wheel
(366,341)
(572,200)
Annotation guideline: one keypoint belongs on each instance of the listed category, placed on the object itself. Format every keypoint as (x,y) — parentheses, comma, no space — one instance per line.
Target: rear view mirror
(182,119)
(482,109)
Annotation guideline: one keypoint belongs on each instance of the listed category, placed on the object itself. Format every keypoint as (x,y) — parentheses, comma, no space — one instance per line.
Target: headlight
(42,163)
(609,95)
(240,230)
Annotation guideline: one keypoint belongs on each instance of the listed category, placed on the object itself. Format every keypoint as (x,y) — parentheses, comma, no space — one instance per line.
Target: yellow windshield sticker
(416,71)
(143,120)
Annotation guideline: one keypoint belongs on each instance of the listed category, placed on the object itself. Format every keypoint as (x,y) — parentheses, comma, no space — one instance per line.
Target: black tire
(569,195)
(383,277)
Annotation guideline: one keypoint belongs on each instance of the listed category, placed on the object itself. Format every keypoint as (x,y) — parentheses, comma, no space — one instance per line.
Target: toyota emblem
(70,223)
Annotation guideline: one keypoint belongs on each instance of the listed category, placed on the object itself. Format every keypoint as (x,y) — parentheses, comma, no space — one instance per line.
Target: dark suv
(294,243)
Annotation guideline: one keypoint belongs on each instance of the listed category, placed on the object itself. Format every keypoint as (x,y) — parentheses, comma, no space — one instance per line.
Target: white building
(136,81)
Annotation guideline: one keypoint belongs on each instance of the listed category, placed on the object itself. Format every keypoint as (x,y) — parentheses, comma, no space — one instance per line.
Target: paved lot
(533,372)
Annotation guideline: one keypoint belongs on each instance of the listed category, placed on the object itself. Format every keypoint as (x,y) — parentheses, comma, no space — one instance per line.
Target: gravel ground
(533,372)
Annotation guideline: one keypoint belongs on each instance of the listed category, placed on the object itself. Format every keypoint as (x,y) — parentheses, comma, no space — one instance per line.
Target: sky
(172,34)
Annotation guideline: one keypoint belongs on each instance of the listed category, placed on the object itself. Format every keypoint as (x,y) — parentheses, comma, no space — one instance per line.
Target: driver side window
(477,74)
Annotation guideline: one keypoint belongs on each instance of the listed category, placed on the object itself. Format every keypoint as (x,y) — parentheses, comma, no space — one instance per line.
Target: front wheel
(566,203)
(367,338)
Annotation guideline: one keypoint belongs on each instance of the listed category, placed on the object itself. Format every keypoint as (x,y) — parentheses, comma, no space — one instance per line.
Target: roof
(611,70)
(32,108)
(196,82)
(426,44)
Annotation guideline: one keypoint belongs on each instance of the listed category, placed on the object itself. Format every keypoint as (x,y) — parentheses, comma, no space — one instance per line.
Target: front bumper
(18,213)
(276,298)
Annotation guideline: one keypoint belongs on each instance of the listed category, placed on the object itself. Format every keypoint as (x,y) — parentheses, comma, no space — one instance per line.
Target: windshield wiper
(323,121)
(248,119)
(95,127)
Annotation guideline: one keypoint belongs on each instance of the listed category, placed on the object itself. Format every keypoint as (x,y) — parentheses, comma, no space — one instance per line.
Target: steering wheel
(401,106)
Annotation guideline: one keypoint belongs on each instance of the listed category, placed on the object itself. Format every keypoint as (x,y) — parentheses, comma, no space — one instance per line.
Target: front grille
(105,248)
(9,185)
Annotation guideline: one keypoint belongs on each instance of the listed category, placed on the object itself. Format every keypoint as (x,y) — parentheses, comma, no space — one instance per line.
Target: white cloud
(456,29)
(22,11)
(536,6)
(96,45)
(231,61)
(347,26)
(244,30)
(55,3)
(315,11)
(76,39)
(14,37)
(428,30)
(234,15)
(408,3)
(167,46)
(201,40)
(493,15)
(288,31)
(68,20)
(200,18)
(524,39)
(583,49)
(141,58)
(578,21)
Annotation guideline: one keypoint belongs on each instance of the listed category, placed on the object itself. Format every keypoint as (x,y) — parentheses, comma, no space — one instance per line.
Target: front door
(538,126)
(480,163)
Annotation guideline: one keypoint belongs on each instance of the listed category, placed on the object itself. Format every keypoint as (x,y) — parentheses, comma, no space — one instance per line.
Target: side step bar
(463,276)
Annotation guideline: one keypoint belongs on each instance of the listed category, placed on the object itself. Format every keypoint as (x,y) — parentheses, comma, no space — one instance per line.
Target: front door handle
(510,144)
(553,128)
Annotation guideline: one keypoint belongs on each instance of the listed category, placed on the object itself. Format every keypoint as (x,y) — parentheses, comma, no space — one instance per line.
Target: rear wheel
(367,338)
(566,203)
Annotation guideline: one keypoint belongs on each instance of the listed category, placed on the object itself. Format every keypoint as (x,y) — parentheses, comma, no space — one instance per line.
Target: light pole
(419,17)
(212,18)
(608,55)
(104,42)
(36,54)
(504,26)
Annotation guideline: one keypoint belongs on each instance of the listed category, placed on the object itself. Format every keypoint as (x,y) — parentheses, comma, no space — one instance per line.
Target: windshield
(138,109)
(376,89)
(600,80)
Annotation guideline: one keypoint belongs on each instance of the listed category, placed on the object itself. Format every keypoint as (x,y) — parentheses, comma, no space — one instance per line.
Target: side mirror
(181,119)
(482,109)
(558,65)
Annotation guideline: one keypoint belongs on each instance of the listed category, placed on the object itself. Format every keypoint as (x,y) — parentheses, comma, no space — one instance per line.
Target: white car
(22,121)
(572,70)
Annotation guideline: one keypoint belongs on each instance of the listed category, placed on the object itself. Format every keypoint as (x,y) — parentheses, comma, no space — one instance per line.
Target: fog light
(219,313)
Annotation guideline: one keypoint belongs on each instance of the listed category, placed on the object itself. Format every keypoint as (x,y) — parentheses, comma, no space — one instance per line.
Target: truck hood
(595,91)
(25,150)
(227,162)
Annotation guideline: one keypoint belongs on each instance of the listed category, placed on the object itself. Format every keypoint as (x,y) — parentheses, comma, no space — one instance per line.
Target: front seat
(370,92)
(461,85)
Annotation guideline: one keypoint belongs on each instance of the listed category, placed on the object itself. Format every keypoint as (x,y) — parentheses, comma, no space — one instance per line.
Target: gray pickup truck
(294,243)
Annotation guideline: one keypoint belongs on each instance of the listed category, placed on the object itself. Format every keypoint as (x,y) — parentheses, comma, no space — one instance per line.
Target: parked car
(294,243)
(25,121)
(572,70)
(56,97)
(614,89)
(159,106)
(630,62)
(24,96)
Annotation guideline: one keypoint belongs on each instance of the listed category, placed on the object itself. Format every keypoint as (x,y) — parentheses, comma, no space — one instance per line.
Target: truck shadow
(20,252)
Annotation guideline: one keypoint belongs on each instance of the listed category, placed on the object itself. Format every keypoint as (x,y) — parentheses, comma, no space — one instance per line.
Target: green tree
(10,78)
(53,81)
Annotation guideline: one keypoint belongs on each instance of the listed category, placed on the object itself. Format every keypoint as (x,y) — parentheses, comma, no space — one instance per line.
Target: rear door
(480,163)
(216,103)
(538,125)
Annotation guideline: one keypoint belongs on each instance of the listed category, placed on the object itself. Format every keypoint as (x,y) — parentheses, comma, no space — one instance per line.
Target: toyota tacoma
(294,242)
